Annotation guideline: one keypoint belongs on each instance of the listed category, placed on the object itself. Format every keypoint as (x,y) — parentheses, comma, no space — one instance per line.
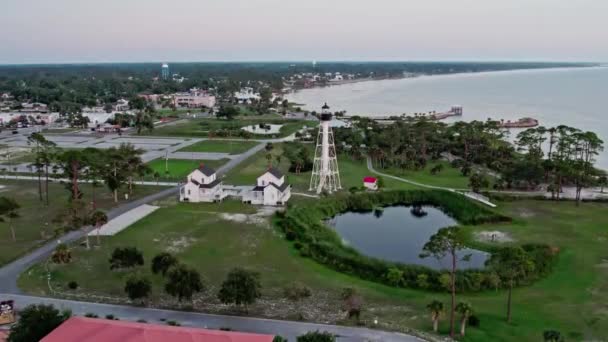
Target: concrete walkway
(123,221)
(465,192)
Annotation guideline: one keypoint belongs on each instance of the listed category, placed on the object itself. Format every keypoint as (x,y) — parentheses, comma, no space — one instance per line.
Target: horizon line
(305,62)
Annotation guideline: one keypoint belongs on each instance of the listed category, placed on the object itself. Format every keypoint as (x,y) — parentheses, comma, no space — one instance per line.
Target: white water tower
(325,173)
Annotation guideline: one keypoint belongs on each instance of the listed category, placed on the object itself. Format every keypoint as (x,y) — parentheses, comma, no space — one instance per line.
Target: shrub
(173,323)
(138,288)
(126,258)
(473,321)
(163,262)
(240,287)
(304,225)
(297,291)
(62,254)
(91,315)
(72,285)
(112,317)
(316,336)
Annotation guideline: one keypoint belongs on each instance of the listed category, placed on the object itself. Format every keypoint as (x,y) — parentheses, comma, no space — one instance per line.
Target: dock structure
(454,111)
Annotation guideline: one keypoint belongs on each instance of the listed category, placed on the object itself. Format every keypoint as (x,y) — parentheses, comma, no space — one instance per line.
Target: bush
(138,288)
(173,323)
(126,258)
(72,285)
(163,262)
(473,321)
(316,336)
(91,315)
(304,225)
(35,322)
(112,317)
(297,291)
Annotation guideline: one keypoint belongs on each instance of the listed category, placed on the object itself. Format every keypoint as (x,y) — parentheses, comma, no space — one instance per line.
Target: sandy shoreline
(456,74)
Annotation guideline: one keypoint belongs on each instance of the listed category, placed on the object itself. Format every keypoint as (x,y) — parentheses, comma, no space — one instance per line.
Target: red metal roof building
(81,329)
(369,179)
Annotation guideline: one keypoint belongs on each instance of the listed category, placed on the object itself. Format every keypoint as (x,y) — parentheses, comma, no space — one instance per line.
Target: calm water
(399,236)
(575,97)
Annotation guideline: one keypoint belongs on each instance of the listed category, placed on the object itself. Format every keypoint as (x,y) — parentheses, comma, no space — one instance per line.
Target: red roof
(3,335)
(369,179)
(82,329)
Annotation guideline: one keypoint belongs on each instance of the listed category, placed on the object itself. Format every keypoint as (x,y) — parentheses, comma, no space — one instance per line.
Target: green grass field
(35,226)
(180,168)
(351,171)
(448,177)
(220,146)
(572,299)
(202,127)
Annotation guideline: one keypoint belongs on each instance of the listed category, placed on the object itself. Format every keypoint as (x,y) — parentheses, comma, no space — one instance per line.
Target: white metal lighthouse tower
(325,173)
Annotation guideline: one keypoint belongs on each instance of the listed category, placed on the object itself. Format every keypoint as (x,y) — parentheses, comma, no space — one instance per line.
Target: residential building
(195,98)
(271,189)
(246,95)
(79,329)
(202,185)
(370,183)
(121,105)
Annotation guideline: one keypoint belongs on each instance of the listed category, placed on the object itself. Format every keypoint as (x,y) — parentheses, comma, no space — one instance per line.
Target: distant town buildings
(195,98)
(246,95)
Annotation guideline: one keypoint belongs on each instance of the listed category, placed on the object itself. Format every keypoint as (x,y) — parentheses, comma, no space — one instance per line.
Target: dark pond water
(396,234)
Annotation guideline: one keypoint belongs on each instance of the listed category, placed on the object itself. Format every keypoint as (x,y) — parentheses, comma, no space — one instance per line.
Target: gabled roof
(275,172)
(80,329)
(282,187)
(206,170)
(210,185)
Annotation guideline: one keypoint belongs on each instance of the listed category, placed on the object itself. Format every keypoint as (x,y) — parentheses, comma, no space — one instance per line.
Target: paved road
(286,329)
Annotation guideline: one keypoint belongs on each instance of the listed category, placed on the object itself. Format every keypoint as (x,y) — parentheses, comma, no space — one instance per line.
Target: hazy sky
(33,31)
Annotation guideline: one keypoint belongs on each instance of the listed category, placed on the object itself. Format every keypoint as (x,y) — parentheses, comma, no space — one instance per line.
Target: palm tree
(97,219)
(9,211)
(436,309)
(96,161)
(465,310)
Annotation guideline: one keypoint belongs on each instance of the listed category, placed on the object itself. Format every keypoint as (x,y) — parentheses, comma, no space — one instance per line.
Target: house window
(188,192)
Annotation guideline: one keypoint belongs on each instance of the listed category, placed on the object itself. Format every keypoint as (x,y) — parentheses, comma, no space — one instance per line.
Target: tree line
(556,156)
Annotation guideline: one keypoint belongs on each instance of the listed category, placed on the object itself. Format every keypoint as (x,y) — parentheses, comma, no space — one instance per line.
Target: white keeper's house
(271,189)
(203,185)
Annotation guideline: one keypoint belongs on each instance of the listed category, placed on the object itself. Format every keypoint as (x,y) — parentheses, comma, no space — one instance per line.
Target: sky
(59,31)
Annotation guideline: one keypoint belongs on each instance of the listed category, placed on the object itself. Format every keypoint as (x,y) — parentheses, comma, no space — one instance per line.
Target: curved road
(9,290)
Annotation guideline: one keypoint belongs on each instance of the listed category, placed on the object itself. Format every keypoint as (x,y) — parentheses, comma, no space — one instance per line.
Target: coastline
(455,74)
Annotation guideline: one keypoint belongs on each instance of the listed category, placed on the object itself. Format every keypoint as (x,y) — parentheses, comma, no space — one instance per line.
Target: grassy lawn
(351,171)
(572,299)
(220,146)
(202,127)
(448,177)
(180,168)
(31,227)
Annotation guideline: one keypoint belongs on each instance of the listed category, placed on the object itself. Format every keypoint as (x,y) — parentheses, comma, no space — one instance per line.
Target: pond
(398,234)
